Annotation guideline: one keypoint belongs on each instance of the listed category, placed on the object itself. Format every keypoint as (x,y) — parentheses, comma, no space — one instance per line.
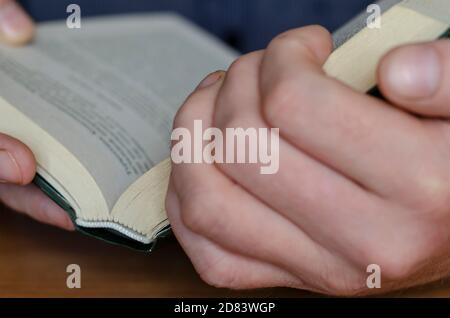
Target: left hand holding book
(17,163)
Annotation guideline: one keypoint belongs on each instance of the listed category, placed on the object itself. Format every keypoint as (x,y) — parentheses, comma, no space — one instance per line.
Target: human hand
(361,181)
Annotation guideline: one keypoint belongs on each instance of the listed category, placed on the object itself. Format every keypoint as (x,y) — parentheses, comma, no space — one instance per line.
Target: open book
(96,105)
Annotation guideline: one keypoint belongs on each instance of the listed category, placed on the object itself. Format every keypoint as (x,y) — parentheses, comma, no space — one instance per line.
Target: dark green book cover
(107,235)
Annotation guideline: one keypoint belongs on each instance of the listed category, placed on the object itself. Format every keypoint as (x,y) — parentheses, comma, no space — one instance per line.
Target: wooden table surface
(34,257)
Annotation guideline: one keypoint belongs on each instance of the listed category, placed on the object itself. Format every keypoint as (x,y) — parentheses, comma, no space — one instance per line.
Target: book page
(401,25)
(109,91)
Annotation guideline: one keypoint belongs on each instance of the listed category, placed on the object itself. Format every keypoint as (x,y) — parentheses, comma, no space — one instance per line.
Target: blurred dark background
(246,25)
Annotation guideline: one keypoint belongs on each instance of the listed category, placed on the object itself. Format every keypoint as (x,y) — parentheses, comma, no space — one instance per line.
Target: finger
(348,131)
(214,207)
(220,267)
(34,203)
(417,78)
(17,163)
(319,200)
(16,26)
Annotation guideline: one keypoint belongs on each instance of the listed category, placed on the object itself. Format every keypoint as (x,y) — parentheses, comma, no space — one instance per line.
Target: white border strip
(116,227)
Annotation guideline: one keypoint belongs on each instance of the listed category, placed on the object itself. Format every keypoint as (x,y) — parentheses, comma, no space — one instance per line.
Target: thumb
(16,26)
(17,163)
(417,78)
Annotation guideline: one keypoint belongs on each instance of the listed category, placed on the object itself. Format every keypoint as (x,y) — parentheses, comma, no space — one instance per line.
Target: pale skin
(361,181)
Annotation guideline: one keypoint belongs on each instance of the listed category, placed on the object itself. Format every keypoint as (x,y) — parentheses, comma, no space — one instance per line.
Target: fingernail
(9,169)
(211,79)
(415,73)
(15,25)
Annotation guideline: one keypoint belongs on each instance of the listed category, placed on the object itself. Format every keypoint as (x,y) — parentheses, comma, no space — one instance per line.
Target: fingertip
(205,91)
(312,40)
(409,73)
(322,40)
(211,79)
(16,26)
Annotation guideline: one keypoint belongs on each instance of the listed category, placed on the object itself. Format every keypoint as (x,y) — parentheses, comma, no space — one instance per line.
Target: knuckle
(394,266)
(225,117)
(220,274)
(397,268)
(220,277)
(228,121)
(312,41)
(399,259)
(286,41)
(240,66)
(198,211)
(193,211)
(281,100)
(432,195)
(236,84)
